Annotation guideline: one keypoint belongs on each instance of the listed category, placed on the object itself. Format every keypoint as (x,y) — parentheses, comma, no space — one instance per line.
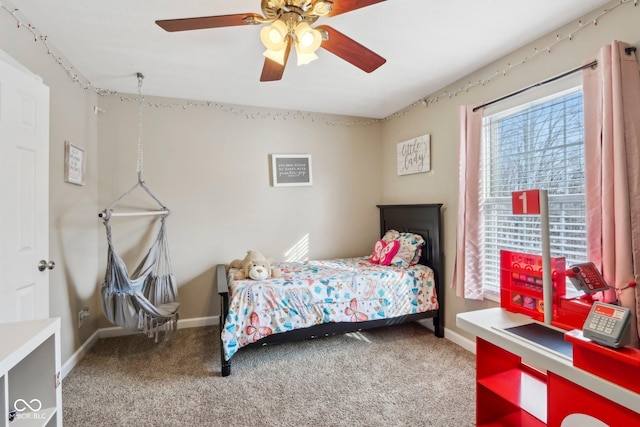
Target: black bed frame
(423,219)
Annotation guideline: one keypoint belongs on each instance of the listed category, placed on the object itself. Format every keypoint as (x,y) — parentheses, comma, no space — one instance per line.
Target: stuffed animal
(254,266)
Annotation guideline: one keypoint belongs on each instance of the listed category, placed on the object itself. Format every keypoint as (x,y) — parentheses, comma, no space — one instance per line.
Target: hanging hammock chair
(147,299)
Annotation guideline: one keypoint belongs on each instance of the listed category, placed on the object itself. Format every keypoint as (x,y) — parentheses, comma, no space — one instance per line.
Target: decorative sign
(414,155)
(525,202)
(291,169)
(74,164)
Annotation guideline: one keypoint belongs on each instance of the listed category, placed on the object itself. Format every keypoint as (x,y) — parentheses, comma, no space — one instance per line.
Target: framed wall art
(291,170)
(74,164)
(414,155)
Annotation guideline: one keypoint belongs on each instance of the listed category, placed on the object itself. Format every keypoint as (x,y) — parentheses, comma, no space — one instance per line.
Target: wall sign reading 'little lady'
(291,169)
(414,155)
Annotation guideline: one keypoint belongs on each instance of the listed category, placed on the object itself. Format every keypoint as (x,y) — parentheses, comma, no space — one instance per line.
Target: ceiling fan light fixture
(305,58)
(287,24)
(274,36)
(276,55)
(308,40)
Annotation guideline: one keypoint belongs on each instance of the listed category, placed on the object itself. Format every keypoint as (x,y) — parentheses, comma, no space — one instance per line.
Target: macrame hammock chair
(147,299)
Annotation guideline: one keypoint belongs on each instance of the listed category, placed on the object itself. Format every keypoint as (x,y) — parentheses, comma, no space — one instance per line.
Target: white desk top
(489,325)
(18,339)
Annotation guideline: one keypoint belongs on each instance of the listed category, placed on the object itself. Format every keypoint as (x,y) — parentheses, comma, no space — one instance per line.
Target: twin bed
(326,297)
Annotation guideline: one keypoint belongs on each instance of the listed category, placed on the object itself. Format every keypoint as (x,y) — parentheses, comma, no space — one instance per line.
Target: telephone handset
(586,277)
(608,324)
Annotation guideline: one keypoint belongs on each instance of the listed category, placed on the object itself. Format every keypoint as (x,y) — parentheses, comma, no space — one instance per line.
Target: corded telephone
(608,324)
(586,277)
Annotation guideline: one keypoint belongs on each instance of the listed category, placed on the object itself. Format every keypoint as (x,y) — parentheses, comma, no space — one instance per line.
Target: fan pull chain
(139,159)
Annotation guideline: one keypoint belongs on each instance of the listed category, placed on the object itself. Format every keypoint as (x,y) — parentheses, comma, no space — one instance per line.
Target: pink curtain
(612,169)
(467,278)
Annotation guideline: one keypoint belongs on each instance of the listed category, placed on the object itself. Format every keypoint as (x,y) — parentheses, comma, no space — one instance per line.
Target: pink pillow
(383,252)
(377,250)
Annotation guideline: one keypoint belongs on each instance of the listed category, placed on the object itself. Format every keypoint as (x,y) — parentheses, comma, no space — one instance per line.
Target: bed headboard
(423,219)
(419,219)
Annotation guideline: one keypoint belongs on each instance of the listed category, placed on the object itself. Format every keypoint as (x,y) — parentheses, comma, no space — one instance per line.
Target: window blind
(538,145)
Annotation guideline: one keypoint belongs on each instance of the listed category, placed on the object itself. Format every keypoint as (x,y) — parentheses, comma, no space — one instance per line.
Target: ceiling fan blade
(344,6)
(272,70)
(350,50)
(204,22)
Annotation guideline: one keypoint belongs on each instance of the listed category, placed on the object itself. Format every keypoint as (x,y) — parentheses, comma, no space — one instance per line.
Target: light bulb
(274,36)
(308,40)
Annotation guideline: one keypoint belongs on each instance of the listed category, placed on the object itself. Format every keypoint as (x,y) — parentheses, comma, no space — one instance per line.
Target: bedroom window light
(535,145)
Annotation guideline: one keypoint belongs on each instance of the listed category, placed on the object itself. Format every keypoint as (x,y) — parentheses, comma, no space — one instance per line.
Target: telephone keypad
(586,277)
(602,324)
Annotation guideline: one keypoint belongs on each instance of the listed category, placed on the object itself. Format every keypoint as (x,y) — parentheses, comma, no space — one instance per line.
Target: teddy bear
(254,266)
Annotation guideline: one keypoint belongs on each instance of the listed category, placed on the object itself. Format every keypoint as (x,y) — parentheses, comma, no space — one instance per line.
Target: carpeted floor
(394,376)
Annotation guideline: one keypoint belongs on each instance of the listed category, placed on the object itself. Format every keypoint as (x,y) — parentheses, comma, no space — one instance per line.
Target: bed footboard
(223,291)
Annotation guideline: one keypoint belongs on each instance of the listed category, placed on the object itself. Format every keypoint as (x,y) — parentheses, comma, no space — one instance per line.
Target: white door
(24,194)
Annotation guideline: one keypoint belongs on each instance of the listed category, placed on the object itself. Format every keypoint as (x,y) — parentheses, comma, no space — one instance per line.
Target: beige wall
(72,211)
(440,120)
(211,169)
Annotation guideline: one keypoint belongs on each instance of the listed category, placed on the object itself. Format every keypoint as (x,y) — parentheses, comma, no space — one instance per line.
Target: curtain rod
(628,51)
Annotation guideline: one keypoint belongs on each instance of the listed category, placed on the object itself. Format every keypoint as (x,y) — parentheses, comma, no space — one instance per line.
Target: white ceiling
(427,44)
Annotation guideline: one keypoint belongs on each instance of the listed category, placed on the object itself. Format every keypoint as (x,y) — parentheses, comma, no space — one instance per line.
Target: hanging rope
(139,159)
(106,214)
(147,299)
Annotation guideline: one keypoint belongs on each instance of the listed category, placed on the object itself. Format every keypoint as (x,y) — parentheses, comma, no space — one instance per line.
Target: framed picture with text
(74,164)
(414,155)
(291,170)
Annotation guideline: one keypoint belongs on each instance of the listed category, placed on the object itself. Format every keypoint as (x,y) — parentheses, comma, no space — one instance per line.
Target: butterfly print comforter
(313,292)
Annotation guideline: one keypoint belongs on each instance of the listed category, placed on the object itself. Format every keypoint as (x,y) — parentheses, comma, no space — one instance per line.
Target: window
(539,145)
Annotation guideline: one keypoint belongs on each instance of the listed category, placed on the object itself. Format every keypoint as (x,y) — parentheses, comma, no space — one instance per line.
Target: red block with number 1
(525,202)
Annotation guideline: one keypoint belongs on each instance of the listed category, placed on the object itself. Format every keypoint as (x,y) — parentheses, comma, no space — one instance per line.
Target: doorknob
(43,265)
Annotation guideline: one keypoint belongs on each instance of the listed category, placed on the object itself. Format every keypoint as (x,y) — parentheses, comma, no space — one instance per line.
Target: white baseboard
(196,322)
(462,341)
(452,336)
(119,332)
(79,354)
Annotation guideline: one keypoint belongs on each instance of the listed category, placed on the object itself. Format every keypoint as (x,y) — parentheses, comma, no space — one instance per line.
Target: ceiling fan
(290,24)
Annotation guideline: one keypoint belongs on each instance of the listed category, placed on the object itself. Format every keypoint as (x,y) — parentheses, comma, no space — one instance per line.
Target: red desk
(523,383)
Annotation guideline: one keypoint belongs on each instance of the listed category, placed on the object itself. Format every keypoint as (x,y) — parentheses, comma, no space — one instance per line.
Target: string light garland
(87,85)
(37,37)
(426,101)
(299,115)
(238,111)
